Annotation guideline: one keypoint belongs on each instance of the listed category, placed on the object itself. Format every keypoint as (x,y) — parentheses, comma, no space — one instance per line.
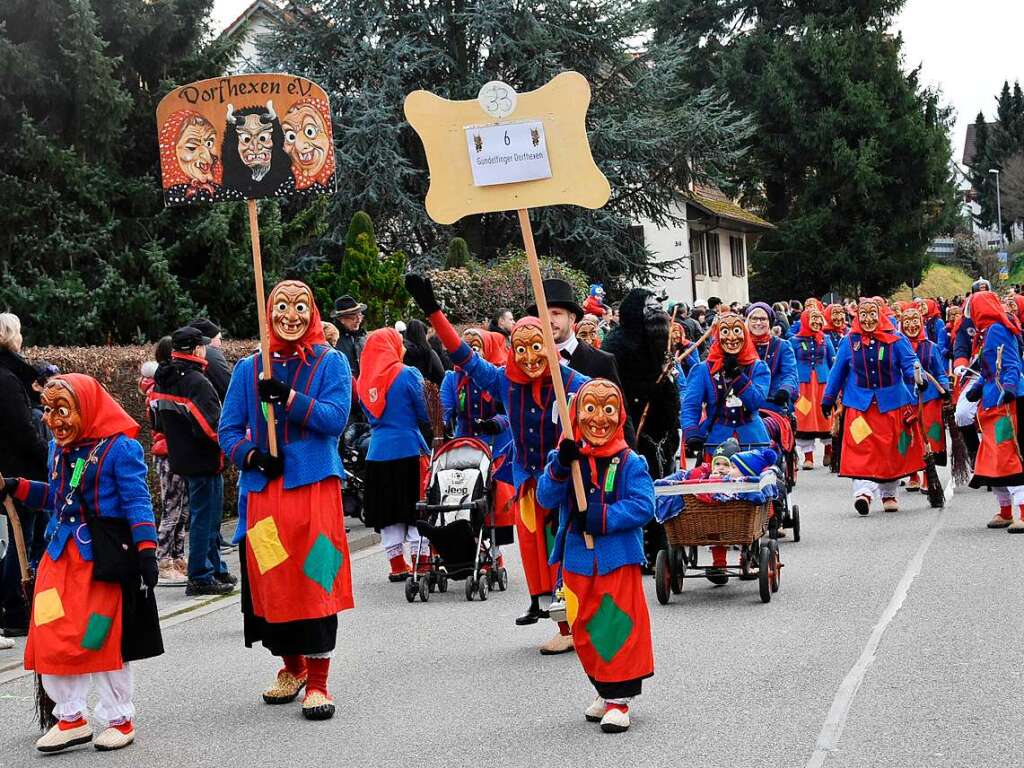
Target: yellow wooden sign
(506,151)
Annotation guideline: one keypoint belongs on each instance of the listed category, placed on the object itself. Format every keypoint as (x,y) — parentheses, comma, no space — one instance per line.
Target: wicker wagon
(727,523)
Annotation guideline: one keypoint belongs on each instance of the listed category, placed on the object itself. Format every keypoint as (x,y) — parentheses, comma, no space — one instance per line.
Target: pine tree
(458,254)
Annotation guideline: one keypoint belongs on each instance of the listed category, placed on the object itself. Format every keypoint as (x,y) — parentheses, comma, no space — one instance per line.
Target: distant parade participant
(777,355)
(525,389)
(998,463)
(294,556)
(966,345)
(815,356)
(84,631)
(934,327)
(602,583)
(835,324)
(933,362)
(874,374)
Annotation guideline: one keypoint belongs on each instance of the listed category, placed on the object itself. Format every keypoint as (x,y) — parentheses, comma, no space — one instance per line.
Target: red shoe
(400,569)
(809,460)
(424,562)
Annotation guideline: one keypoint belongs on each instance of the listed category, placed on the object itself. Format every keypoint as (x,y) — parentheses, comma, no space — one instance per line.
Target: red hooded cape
(987,310)
(102,415)
(379,365)
(805,324)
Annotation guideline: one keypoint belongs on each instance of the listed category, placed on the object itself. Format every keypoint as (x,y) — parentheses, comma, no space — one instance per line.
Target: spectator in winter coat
(187,412)
(349,314)
(218,370)
(419,355)
(22,454)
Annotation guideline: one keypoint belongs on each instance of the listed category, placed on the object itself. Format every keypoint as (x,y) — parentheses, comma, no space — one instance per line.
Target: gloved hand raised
(422,292)
(7,486)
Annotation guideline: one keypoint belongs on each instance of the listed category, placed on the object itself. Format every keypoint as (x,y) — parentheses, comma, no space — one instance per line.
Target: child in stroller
(458,524)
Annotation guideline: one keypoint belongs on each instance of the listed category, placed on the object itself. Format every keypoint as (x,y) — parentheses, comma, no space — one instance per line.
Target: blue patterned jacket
(867,371)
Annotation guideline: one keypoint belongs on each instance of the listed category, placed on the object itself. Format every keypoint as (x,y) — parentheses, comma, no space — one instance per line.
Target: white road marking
(832,730)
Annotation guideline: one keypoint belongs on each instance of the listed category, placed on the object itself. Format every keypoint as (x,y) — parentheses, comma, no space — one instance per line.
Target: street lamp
(999,205)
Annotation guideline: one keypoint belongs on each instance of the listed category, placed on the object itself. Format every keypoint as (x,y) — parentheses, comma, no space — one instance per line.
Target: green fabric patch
(1004,430)
(76,476)
(323,563)
(96,631)
(935,431)
(609,628)
(904,443)
(549,538)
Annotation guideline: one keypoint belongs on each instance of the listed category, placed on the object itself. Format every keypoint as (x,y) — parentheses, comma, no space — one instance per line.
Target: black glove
(826,409)
(487,426)
(273,391)
(732,366)
(7,486)
(422,292)
(974,394)
(568,452)
(695,445)
(947,396)
(271,466)
(149,568)
(781,397)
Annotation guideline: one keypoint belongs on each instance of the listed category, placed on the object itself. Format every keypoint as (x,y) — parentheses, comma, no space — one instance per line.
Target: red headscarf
(102,415)
(495,351)
(615,445)
(379,364)
(170,169)
(1019,301)
(805,322)
(933,309)
(884,331)
(986,310)
(314,332)
(813,302)
(324,176)
(716,355)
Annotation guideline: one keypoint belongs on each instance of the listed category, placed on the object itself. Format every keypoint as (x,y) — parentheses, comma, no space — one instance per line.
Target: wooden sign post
(506,151)
(246,137)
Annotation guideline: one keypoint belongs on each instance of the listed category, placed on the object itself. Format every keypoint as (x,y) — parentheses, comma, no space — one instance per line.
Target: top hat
(346,305)
(559,294)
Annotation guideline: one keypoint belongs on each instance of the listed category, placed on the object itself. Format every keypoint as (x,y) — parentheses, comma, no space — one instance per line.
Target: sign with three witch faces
(245,137)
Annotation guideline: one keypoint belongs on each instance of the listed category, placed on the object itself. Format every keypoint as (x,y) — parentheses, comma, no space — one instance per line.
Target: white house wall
(668,244)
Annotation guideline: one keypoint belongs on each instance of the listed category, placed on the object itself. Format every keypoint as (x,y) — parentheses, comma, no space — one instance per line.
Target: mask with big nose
(61,412)
(731,334)
(475,341)
(598,411)
(867,314)
(528,350)
(291,310)
(912,322)
(817,321)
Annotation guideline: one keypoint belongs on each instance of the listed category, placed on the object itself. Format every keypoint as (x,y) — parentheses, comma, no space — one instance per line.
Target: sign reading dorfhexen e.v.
(505,154)
(245,137)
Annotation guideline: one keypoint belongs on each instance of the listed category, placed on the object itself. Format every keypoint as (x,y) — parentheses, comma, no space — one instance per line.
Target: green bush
(458,254)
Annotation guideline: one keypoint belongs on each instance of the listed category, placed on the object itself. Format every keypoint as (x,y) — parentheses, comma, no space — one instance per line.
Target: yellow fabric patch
(47,607)
(266,545)
(860,430)
(572,605)
(803,405)
(528,511)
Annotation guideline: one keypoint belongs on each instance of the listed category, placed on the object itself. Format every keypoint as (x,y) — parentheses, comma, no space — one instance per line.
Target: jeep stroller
(457,524)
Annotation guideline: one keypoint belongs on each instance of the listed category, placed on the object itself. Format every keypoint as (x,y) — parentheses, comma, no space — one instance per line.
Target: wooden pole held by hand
(261,311)
(19,540)
(554,364)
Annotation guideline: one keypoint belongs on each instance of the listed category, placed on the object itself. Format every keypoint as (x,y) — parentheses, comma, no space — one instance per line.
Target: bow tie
(565,354)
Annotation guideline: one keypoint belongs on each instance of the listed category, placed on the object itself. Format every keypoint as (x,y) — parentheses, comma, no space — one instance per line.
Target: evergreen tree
(458,254)
(650,132)
(851,155)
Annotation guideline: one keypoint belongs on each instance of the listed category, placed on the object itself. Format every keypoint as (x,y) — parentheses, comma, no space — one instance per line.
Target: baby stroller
(457,523)
(355,442)
(783,436)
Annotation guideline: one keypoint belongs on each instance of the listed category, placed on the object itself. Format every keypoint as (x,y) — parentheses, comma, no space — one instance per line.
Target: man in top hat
(218,370)
(349,314)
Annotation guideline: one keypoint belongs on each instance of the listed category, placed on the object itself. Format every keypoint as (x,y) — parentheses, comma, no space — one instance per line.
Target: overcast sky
(965,48)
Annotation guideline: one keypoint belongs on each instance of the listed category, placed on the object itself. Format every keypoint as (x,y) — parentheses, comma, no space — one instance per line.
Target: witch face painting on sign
(245,137)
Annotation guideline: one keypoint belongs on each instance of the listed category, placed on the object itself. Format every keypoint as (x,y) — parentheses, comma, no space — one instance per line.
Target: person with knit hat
(814,358)
(525,389)
(602,585)
(933,362)
(875,374)
(294,557)
(83,631)
(776,354)
(998,462)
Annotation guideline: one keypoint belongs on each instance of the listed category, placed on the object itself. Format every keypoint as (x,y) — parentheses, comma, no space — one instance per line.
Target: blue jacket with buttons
(812,356)
(621,503)
(778,356)
(933,361)
(1010,368)
(396,433)
(113,484)
(710,395)
(869,371)
(534,427)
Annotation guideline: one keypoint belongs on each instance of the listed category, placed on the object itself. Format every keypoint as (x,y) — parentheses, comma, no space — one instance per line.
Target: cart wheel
(795,515)
(442,583)
(424,588)
(776,567)
(662,577)
(764,565)
(432,581)
(482,587)
(410,590)
(678,570)
(470,587)
(502,579)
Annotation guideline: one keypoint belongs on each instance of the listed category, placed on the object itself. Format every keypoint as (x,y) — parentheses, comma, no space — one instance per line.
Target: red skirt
(75,628)
(882,447)
(535,529)
(999,455)
(297,556)
(934,430)
(611,629)
(810,421)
